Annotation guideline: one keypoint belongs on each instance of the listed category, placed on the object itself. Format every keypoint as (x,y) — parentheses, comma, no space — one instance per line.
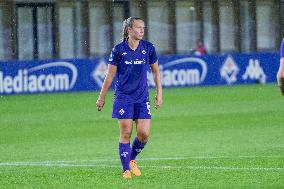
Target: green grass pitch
(204,137)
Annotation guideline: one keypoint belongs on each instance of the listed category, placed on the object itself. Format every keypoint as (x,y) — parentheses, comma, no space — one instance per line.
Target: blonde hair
(127,23)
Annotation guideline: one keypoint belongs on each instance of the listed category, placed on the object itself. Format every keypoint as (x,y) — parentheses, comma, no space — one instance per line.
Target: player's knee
(125,136)
(143,136)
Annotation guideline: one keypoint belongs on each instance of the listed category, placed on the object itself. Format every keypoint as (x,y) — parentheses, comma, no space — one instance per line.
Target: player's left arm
(157,79)
(280,76)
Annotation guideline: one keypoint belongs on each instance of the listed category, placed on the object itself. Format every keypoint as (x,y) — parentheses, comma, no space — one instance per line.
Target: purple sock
(124,154)
(137,147)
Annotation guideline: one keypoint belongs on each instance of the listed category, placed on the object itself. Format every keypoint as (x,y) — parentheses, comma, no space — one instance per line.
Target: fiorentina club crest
(229,70)
(99,72)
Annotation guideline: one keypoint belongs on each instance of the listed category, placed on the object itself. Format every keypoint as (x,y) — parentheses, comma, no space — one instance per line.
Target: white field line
(27,164)
(159,159)
(66,163)
(34,164)
(98,160)
(220,168)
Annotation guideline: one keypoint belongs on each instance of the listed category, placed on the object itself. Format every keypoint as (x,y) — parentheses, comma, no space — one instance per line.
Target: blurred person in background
(129,62)
(280,74)
(200,49)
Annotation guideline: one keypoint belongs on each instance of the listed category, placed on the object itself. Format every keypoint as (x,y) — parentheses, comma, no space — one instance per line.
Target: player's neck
(133,44)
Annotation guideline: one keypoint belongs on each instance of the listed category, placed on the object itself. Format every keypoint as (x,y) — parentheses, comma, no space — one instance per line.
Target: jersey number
(148,107)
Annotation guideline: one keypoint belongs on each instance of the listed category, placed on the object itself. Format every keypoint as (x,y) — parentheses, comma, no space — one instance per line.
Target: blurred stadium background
(224,136)
(44,29)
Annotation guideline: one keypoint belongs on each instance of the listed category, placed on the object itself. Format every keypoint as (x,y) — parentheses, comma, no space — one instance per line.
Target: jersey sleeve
(152,54)
(282,49)
(113,57)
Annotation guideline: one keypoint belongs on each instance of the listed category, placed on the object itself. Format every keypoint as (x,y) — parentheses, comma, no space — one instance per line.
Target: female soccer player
(280,74)
(130,61)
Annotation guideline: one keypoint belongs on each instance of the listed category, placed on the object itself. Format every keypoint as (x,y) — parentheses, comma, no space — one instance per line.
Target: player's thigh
(125,126)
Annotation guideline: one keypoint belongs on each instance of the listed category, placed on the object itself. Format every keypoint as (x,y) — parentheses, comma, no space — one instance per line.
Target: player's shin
(137,147)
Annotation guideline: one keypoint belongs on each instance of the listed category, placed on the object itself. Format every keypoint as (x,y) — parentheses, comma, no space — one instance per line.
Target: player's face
(137,30)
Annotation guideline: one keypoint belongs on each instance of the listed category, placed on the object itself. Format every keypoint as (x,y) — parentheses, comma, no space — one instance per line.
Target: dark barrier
(26,77)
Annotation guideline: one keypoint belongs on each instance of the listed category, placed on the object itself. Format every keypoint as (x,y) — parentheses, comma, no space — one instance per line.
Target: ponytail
(125,26)
(127,23)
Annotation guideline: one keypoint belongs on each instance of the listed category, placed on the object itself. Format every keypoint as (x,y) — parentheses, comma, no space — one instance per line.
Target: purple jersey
(282,49)
(132,67)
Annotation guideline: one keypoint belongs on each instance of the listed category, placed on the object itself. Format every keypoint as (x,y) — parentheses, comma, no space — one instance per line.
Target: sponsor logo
(34,80)
(229,70)
(99,73)
(127,62)
(144,52)
(254,72)
(137,61)
(192,71)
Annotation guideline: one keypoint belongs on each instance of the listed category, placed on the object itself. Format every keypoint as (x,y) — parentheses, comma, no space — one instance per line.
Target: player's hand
(158,101)
(100,104)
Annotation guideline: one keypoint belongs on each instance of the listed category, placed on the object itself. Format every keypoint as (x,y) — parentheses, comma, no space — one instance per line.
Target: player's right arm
(280,74)
(111,71)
